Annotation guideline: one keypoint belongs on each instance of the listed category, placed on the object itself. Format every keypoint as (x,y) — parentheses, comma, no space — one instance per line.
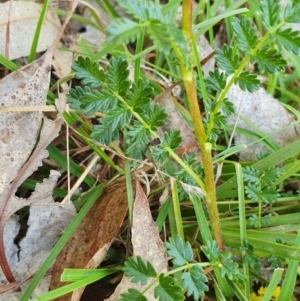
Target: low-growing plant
(228,239)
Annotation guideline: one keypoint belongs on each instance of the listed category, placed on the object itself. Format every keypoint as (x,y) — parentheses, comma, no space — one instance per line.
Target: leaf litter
(90,242)
(22,18)
(146,243)
(19,131)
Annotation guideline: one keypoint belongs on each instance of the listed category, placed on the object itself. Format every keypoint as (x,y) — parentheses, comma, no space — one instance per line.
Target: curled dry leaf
(23,18)
(89,244)
(264,112)
(46,221)
(146,243)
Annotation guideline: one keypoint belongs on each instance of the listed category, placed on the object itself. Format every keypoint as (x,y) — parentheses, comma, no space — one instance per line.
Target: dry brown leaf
(267,114)
(146,244)
(23,21)
(89,244)
(175,122)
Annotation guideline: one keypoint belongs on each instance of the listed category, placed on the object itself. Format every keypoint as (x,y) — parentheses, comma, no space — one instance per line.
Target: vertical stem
(205,147)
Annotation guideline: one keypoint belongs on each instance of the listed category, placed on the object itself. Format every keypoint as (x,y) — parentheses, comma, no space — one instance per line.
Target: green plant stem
(205,148)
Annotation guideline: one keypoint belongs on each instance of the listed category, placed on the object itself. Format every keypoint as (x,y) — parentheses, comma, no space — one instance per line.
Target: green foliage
(292,12)
(194,281)
(167,290)
(260,186)
(138,270)
(245,34)
(269,61)
(148,16)
(288,39)
(270,12)
(132,295)
(227,59)
(181,252)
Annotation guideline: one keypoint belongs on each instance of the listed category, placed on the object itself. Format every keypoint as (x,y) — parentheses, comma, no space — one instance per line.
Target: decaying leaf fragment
(27,86)
(146,243)
(45,223)
(264,112)
(89,244)
(23,18)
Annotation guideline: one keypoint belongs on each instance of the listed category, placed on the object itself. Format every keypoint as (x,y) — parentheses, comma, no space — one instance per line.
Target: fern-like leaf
(288,39)
(194,281)
(123,31)
(227,59)
(247,81)
(292,12)
(88,72)
(245,34)
(269,61)
(270,12)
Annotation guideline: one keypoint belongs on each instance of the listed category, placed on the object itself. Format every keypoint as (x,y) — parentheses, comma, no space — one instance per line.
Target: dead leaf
(23,21)
(146,243)
(267,114)
(89,244)
(46,221)
(27,86)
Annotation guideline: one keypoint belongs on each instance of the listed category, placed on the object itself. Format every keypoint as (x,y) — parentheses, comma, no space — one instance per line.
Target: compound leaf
(270,12)
(292,12)
(245,34)
(194,281)
(132,295)
(180,251)
(247,81)
(269,61)
(138,270)
(288,39)
(88,72)
(227,59)
(167,290)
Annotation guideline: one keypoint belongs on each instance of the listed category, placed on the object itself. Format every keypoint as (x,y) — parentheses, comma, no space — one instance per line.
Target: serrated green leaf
(167,290)
(76,96)
(155,117)
(245,34)
(270,12)
(138,133)
(216,80)
(227,108)
(123,31)
(270,176)
(104,134)
(227,59)
(269,61)
(132,295)
(155,30)
(230,268)
(117,118)
(117,76)
(88,72)
(172,139)
(143,10)
(247,81)
(253,192)
(251,175)
(139,270)
(181,252)
(138,96)
(269,195)
(292,12)
(211,251)
(288,39)
(194,281)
